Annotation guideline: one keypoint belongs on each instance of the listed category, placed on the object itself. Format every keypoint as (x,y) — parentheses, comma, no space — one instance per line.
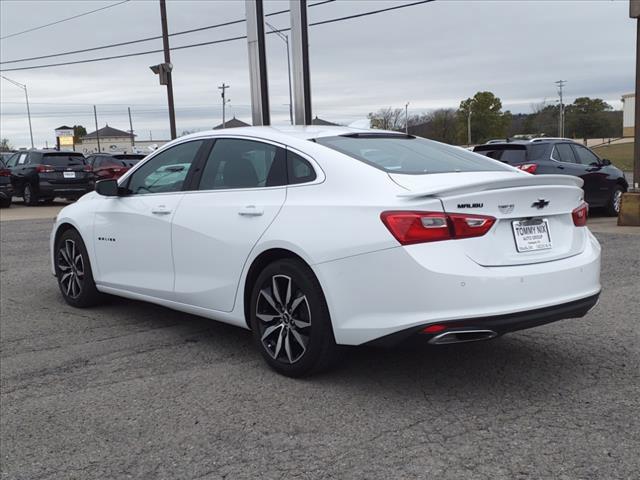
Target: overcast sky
(433,55)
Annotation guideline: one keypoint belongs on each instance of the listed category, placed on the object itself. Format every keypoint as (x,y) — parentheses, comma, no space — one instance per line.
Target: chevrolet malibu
(318,237)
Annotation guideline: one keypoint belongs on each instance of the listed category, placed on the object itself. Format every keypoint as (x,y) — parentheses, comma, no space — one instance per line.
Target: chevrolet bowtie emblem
(540,204)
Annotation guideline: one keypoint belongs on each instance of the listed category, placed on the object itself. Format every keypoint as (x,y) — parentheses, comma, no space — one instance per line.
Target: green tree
(439,125)
(487,118)
(5,145)
(586,118)
(78,132)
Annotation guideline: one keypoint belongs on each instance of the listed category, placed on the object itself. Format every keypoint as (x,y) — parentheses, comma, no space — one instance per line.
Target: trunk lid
(532,212)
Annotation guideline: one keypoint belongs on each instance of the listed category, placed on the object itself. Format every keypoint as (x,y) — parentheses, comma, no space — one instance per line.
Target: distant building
(232,123)
(319,121)
(628,114)
(114,140)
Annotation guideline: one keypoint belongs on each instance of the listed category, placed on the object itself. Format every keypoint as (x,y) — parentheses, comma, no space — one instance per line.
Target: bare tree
(388,119)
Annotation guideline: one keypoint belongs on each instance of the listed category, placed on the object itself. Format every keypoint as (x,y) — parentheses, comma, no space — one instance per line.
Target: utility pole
(26,96)
(285,39)
(561,84)
(133,142)
(167,60)
(634,12)
(469,128)
(95,117)
(223,87)
(406,118)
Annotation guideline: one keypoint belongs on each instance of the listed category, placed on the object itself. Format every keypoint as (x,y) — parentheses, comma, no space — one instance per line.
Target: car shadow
(514,364)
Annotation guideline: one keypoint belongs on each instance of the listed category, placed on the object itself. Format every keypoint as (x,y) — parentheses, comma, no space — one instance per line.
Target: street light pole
(469,128)
(285,38)
(167,59)
(26,96)
(406,118)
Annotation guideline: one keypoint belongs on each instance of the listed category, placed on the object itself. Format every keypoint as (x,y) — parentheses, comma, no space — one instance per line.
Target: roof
(233,123)
(107,131)
(319,121)
(628,95)
(64,127)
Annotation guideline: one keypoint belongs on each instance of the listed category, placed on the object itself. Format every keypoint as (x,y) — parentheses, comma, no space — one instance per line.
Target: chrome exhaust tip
(462,336)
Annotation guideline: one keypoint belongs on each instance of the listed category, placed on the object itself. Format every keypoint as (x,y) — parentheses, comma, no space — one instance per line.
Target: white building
(115,141)
(628,114)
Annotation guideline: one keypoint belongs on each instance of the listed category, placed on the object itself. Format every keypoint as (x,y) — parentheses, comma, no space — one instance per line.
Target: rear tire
(73,271)
(612,208)
(29,195)
(290,320)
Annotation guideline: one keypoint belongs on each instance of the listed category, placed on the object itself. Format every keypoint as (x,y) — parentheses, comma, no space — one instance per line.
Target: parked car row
(603,186)
(41,175)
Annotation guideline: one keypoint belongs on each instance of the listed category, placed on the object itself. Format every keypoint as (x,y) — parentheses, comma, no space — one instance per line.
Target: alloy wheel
(27,194)
(284,319)
(617,200)
(71,268)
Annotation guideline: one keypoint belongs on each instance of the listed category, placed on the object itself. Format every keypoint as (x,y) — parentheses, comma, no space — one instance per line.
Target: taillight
(87,168)
(5,172)
(419,227)
(44,169)
(528,167)
(580,214)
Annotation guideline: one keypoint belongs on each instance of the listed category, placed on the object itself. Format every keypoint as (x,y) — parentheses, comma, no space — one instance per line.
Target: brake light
(410,227)
(44,169)
(528,167)
(580,214)
(5,172)
(87,168)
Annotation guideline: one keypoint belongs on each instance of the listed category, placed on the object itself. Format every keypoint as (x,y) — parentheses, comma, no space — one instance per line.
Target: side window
(584,155)
(165,172)
(237,163)
(22,159)
(563,153)
(298,169)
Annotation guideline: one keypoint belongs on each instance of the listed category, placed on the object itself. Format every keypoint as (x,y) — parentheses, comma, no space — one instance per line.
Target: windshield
(62,159)
(125,160)
(409,155)
(512,154)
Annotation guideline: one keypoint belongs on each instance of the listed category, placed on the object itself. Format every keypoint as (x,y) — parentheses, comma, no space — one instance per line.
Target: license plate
(531,235)
(69,174)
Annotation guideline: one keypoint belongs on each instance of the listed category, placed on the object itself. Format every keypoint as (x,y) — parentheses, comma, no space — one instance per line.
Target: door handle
(160,210)
(560,167)
(251,211)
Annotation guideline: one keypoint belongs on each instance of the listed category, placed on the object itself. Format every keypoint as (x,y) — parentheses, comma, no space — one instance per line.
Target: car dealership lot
(134,390)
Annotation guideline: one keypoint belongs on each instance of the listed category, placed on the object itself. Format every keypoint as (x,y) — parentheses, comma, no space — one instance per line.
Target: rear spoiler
(497,184)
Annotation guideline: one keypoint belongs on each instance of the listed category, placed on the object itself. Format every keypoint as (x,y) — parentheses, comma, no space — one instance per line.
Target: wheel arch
(257,265)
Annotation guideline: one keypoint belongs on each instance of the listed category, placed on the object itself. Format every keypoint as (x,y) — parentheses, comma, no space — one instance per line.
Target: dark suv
(6,190)
(603,183)
(46,174)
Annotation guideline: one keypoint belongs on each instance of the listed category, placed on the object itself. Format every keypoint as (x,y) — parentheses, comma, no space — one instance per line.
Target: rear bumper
(499,324)
(66,190)
(381,293)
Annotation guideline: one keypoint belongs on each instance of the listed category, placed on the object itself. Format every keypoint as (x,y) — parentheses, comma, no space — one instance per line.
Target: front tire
(290,320)
(29,195)
(613,205)
(73,271)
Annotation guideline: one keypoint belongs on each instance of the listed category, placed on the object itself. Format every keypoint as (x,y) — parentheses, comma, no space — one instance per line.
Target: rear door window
(238,163)
(563,152)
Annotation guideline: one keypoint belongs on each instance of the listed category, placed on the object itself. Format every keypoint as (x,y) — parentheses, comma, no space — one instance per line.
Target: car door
(596,185)
(567,164)
(239,193)
(132,233)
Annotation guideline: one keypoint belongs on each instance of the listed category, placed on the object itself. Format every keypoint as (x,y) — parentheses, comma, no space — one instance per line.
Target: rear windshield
(62,159)
(408,155)
(126,160)
(511,154)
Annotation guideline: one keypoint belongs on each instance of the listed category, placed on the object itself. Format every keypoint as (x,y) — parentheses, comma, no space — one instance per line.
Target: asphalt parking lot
(131,390)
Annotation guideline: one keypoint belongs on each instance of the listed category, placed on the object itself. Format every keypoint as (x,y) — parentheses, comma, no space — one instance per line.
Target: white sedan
(317,237)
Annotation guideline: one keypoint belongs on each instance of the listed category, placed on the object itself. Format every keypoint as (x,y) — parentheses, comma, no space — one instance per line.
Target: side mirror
(606,162)
(107,188)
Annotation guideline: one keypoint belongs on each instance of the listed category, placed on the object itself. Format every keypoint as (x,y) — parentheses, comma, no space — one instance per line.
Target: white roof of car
(298,132)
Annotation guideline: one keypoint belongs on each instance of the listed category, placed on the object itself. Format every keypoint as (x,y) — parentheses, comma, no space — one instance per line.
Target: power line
(131,42)
(63,20)
(224,40)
